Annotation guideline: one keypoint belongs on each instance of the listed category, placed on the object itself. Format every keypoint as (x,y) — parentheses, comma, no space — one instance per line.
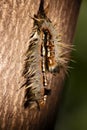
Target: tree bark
(15,27)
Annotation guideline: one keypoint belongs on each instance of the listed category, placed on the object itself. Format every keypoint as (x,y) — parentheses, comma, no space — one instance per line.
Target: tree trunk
(15,28)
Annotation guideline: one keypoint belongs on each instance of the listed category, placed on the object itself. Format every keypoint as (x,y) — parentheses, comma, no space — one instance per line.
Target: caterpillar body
(45,56)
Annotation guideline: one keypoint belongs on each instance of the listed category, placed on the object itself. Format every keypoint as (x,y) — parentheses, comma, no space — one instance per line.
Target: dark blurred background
(73,109)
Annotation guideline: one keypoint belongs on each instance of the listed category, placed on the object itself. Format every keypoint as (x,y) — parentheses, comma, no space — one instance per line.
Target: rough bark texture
(15,27)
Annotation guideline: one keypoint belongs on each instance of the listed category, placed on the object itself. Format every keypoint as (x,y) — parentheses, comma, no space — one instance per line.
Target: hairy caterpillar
(45,56)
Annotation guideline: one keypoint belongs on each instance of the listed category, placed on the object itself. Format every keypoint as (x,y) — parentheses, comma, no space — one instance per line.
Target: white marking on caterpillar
(45,56)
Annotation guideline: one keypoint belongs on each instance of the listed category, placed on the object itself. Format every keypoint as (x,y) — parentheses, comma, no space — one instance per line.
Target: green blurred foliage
(73,110)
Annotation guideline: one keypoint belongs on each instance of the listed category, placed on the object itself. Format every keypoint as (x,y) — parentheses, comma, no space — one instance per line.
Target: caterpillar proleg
(45,56)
